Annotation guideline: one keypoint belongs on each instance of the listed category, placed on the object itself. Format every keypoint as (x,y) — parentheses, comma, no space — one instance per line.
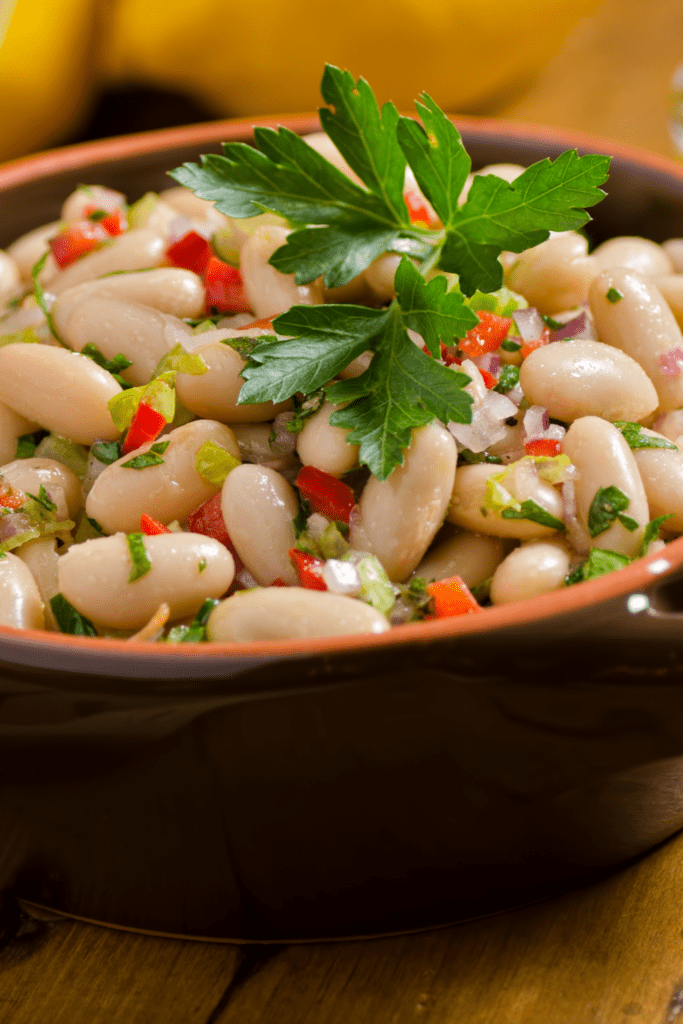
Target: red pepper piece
(489,380)
(224,288)
(530,346)
(543,446)
(308,569)
(10,497)
(113,221)
(77,240)
(487,336)
(451,597)
(418,211)
(327,495)
(266,322)
(146,426)
(151,527)
(191,252)
(208,519)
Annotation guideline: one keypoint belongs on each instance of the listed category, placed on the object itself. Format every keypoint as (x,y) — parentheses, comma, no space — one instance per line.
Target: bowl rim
(637,576)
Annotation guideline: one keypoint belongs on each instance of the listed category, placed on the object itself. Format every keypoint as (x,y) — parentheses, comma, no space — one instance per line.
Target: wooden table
(611,953)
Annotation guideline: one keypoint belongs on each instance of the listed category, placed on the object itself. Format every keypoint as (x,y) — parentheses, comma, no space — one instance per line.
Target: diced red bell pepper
(191,252)
(489,380)
(487,336)
(266,322)
(530,346)
(113,221)
(208,520)
(308,569)
(543,446)
(451,597)
(10,497)
(418,211)
(224,288)
(327,495)
(152,527)
(277,582)
(77,240)
(145,426)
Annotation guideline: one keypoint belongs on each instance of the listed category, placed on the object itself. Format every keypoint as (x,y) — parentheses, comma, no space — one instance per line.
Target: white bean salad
(140,499)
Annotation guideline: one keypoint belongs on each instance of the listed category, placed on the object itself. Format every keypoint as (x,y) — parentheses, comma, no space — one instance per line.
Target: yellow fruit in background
(264,56)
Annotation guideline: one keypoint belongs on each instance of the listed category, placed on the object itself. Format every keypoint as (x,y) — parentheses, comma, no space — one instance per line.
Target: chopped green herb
(303,410)
(15,302)
(599,563)
(201,565)
(301,519)
(614,295)
(113,366)
(635,438)
(27,444)
(554,325)
(245,346)
(474,458)
(138,556)
(68,619)
(106,451)
(196,631)
(98,215)
(535,513)
(509,378)
(511,344)
(652,531)
(152,457)
(44,499)
(608,505)
(40,297)
(345,227)
(27,336)
(96,526)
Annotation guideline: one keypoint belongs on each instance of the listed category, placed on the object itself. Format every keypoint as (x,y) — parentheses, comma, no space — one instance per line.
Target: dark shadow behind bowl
(313,789)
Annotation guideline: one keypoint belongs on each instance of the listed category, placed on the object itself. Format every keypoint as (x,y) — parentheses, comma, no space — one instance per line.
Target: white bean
(671,287)
(27,250)
(325,446)
(284,613)
(10,278)
(467,508)
(138,249)
(186,203)
(537,567)
(28,475)
(641,324)
(167,491)
(12,427)
(673,247)
(86,196)
(214,394)
(20,603)
(40,556)
(380,276)
(65,392)
(587,378)
(670,424)
(259,507)
(639,254)
(167,289)
(554,275)
(400,516)
(323,144)
(603,459)
(186,569)
(472,556)
(661,470)
(119,327)
(270,292)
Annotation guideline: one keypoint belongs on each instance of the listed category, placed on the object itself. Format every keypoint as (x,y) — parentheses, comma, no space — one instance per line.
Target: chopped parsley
(44,499)
(614,295)
(27,444)
(141,564)
(341,227)
(113,366)
(608,505)
(635,438)
(509,378)
(106,451)
(532,511)
(68,619)
(599,563)
(40,297)
(148,458)
(196,632)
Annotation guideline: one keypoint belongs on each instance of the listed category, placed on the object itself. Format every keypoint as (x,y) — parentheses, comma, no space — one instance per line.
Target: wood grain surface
(610,953)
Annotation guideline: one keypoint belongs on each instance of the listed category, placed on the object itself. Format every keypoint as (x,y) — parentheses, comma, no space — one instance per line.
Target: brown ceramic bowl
(309,789)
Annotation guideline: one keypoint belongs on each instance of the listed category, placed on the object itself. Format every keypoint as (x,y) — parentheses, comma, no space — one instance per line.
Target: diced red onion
(529,323)
(577,535)
(490,362)
(671,363)
(488,423)
(535,421)
(13,524)
(578,327)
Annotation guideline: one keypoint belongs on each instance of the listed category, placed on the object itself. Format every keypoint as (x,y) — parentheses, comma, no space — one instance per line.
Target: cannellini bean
(661,470)
(603,459)
(256,444)
(357,290)
(357,366)
(27,250)
(671,287)
(283,613)
(270,292)
(554,275)
(670,424)
(186,203)
(116,327)
(63,391)
(40,555)
(536,567)
(641,324)
(380,276)
(12,427)
(20,603)
(86,196)
(167,491)
(325,446)
(469,493)
(259,507)
(10,277)
(508,172)
(587,378)
(28,475)
(324,145)
(673,247)
(29,314)
(186,569)
(400,516)
(639,254)
(215,394)
(138,249)
(472,556)
(166,289)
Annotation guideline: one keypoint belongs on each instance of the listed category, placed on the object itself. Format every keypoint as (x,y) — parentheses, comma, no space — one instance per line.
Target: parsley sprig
(340,227)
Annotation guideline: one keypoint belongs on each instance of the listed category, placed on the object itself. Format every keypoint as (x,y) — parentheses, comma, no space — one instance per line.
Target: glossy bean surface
(20,602)
(259,508)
